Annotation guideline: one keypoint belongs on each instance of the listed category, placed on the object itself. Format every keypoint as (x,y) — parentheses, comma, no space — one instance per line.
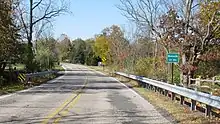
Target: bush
(151,68)
(144,67)
(1,80)
(176,75)
(208,69)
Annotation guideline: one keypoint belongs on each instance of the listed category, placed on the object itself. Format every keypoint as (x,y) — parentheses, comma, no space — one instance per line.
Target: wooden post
(189,80)
(198,81)
(193,105)
(213,84)
(208,111)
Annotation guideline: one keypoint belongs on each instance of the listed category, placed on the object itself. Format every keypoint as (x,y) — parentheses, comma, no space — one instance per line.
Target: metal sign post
(172,58)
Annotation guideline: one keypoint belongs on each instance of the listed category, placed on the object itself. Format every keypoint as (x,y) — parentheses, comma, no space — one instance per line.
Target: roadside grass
(58,67)
(18,66)
(11,88)
(180,113)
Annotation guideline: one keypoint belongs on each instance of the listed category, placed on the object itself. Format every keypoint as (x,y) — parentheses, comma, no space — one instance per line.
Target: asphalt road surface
(80,96)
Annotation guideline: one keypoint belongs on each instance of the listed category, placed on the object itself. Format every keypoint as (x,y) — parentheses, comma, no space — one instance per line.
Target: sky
(89,17)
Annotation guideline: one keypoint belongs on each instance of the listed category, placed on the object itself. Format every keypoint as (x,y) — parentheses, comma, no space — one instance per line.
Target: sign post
(172,58)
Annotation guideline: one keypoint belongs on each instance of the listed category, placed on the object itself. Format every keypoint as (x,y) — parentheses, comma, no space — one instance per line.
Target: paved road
(81,96)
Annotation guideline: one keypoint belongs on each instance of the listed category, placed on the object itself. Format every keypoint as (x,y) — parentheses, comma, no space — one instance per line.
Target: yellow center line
(69,103)
(64,113)
(50,116)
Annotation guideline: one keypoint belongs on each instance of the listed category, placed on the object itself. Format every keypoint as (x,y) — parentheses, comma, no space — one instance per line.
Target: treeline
(190,28)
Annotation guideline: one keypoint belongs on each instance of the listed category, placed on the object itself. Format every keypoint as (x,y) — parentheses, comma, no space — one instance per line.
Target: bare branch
(37,4)
(20,12)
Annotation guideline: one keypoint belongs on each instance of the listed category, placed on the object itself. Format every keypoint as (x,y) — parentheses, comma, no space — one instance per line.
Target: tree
(90,57)
(63,47)
(45,53)
(118,45)
(101,47)
(77,54)
(40,12)
(9,44)
(186,34)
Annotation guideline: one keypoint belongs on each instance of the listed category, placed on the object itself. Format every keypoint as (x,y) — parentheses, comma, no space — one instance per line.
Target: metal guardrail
(38,74)
(208,99)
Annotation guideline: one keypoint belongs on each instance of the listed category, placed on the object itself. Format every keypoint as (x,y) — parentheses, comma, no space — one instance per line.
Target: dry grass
(180,113)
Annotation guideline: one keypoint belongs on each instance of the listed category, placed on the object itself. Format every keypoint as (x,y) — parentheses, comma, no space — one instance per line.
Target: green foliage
(151,68)
(144,67)
(9,36)
(77,54)
(82,52)
(208,68)
(45,55)
(91,59)
(176,75)
(63,48)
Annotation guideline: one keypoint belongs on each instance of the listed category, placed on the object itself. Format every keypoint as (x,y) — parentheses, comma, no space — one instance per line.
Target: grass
(18,66)
(58,67)
(14,87)
(11,88)
(22,67)
(181,114)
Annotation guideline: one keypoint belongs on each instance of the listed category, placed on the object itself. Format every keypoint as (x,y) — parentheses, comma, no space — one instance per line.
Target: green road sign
(172,58)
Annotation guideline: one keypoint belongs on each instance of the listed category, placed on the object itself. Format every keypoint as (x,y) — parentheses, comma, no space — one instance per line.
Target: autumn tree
(118,45)
(102,48)
(185,32)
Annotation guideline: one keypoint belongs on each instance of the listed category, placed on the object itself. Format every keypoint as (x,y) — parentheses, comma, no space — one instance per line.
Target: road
(80,96)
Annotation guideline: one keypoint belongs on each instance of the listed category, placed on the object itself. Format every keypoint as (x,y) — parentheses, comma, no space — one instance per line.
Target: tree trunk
(30,55)
(183,77)
(187,13)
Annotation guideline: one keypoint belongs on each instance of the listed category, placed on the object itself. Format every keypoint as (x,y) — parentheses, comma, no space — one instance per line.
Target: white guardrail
(208,99)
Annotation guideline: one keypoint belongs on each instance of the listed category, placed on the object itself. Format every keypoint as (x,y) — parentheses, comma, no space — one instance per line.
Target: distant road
(81,96)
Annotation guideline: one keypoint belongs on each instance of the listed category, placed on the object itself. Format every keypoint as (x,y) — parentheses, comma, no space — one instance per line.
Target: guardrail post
(208,110)
(182,100)
(173,96)
(193,105)
(161,91)
(151,87)
(155,88)
(144,84)
(165,92)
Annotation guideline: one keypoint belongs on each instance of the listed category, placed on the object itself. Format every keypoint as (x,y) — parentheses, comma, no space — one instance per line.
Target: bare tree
(180,29)
(38,15)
